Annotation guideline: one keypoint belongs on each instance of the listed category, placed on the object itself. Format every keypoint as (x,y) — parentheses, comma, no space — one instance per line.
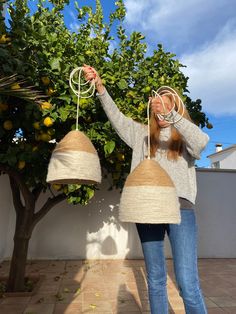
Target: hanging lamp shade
(149,196)
(74,161)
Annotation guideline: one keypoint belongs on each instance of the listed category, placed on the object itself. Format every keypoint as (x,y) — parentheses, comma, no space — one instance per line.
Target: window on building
(216,165)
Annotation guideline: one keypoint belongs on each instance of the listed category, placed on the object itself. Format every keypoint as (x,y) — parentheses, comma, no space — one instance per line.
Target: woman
(175,147)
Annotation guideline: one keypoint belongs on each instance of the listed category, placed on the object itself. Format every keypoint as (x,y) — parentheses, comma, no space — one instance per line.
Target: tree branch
(16,195)
(28,197)
(50,203)
(36,192)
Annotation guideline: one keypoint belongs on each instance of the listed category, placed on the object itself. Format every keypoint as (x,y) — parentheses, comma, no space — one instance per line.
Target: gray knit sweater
(182,170)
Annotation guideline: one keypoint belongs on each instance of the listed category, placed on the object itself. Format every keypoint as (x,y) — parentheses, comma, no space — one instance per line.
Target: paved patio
(111,286)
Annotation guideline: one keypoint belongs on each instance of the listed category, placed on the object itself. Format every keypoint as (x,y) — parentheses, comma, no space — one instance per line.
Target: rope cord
(80,94)
(168,115)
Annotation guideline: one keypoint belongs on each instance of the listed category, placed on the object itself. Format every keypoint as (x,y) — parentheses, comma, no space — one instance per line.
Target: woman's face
(157,108)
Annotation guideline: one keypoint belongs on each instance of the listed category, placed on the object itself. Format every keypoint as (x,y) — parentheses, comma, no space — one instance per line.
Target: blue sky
(202,34)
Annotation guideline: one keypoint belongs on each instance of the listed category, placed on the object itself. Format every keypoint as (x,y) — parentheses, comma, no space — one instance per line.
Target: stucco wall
(93,231)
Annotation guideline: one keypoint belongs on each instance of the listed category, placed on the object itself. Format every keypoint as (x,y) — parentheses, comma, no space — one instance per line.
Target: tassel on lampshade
(149,194)
(75,159)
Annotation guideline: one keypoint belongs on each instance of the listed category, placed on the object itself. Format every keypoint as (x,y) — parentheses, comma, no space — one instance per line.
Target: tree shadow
(84,278)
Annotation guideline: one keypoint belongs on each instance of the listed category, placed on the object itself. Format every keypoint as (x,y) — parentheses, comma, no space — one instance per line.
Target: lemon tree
(37,107)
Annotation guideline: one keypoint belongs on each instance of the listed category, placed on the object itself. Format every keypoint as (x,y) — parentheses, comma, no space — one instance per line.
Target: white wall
(93,231)
(229,162)
(217,213)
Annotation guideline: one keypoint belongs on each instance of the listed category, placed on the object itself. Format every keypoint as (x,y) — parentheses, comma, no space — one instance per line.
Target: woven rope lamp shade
(149,195)
(75,159)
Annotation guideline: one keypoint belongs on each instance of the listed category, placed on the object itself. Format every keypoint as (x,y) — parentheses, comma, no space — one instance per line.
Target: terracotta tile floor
(115,286)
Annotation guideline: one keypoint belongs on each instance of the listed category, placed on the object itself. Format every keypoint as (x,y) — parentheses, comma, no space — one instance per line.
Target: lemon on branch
(48,122)
(15,86)
(45,80)
(46,105)
(57,187)
(21,164)
(8,125)
(45,137)
(4,39)
(36,125)
(50,91)
(3,107)
(120,156)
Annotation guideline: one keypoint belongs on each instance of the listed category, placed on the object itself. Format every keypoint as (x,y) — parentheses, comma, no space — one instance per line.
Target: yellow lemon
(36,125)
(15,86)
(4,39)
(120,156)
(8,125)
(57,187)
(50,91)
(45,80)
(46,105)
(45,137)
(3,107)
(48,122)
(21,164)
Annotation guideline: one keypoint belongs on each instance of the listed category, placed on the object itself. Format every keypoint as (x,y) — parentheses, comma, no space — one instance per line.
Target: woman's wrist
(100,87)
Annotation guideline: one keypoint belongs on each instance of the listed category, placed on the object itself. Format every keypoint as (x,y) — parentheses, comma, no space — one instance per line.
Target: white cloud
(203,36)
(178,24)
(212,73)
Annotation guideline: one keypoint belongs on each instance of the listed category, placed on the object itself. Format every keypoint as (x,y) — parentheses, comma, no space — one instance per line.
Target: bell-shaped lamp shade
(74,161)
(149,196)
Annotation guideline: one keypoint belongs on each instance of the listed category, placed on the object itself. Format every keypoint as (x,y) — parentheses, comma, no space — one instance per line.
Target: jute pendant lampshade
(149,195)
(75,159)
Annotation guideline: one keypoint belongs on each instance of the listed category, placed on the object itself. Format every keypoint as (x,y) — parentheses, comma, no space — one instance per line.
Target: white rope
(164,91)
(80,94)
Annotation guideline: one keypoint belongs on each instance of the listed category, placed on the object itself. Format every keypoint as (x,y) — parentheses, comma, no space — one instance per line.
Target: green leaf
(122,84)
(109,147)
(66,98)
(90,193)
(55,64)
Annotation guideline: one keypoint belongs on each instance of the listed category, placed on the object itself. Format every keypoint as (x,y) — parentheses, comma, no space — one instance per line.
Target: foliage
(43,51)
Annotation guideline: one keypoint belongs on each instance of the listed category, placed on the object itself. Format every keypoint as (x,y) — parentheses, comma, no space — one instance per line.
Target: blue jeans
(183,240)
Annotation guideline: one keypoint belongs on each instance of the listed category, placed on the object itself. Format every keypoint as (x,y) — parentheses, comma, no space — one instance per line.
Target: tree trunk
(16,280)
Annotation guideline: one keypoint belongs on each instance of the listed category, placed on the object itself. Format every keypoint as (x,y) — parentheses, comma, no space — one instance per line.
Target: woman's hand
(91,74)
(157,105)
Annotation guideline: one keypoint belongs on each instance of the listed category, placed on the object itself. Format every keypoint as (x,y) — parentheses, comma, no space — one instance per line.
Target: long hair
(175,143)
